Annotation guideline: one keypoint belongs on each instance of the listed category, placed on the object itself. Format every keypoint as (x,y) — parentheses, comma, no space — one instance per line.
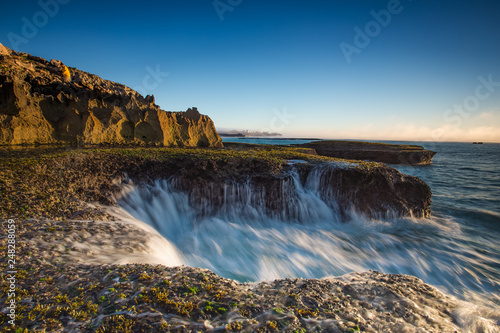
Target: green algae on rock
(59,182)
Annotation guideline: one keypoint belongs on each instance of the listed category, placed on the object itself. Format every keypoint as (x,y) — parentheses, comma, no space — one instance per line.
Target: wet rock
(213,187)
(377,152)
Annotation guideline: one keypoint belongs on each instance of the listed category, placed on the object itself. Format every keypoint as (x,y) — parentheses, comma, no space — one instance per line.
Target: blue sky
(425,70)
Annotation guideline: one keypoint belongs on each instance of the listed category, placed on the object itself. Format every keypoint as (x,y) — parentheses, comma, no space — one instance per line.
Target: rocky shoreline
(83,266)
(54,182)
(64,284)
(66,281)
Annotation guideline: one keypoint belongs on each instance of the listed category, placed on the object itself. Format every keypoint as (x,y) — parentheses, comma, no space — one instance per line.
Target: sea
(457,249)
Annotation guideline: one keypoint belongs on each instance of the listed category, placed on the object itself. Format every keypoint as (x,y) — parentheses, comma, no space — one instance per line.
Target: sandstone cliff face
(44,102)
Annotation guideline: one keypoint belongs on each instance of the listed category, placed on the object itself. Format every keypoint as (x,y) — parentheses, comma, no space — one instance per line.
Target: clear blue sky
(282,65)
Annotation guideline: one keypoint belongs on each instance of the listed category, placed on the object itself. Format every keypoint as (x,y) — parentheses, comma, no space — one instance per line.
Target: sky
(423,70)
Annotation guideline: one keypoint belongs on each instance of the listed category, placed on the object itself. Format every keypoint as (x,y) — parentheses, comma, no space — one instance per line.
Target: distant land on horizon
(246,133)
(263,136)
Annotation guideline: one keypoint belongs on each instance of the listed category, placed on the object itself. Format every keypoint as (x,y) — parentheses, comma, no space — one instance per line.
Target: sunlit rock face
(44,102)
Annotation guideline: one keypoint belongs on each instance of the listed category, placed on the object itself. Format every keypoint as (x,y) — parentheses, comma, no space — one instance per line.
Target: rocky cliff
(44,102)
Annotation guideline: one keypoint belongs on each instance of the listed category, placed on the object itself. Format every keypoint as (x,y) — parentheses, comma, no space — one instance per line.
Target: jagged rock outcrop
(44,102)
(372,151)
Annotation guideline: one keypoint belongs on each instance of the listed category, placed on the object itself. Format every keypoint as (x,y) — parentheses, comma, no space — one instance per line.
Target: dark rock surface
(44,102)
(379,192)
(215,186)
(377,152)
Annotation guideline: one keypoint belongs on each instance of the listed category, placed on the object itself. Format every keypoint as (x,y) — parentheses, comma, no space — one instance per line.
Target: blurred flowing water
(456,250)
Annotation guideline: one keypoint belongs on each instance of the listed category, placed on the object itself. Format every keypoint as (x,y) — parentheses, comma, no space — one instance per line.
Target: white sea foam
(256,247)
(157,249)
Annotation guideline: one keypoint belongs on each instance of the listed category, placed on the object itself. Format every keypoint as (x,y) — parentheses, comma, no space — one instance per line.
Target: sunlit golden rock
(45,102)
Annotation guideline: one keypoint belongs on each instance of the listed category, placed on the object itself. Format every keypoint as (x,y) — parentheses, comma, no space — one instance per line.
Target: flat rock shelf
(372,151)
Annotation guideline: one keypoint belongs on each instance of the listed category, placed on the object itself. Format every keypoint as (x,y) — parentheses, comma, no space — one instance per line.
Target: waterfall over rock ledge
(301,192)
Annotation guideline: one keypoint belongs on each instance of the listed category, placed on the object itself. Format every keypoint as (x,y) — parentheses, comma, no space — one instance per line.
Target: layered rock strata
(44,102)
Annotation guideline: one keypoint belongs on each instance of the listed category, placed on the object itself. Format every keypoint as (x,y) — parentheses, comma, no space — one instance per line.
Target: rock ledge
(377,152)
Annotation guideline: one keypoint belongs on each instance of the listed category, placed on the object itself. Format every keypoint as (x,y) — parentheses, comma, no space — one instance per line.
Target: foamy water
(461,259)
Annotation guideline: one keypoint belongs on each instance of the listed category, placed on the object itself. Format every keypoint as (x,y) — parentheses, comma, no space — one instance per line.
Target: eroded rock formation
(44,102)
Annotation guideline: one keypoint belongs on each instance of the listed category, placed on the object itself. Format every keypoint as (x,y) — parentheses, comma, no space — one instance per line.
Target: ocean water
(457,249)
